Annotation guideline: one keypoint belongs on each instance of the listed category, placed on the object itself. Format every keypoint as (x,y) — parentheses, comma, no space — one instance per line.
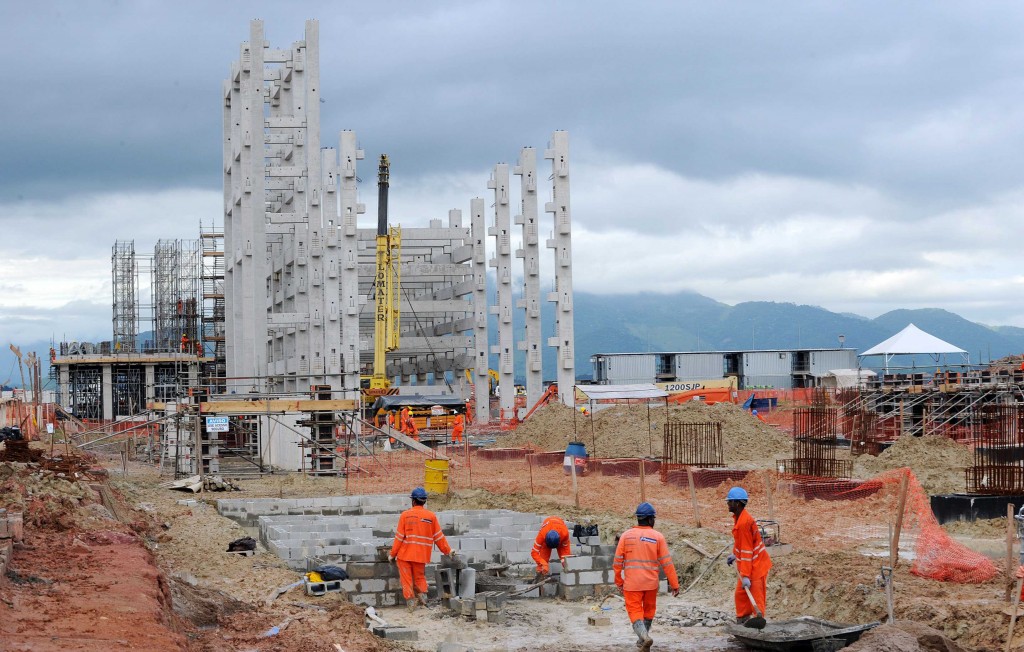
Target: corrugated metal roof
(600,392)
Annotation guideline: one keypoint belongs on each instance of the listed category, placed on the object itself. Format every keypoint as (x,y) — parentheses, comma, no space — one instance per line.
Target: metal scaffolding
(126,296)
(212,244)
(177,269)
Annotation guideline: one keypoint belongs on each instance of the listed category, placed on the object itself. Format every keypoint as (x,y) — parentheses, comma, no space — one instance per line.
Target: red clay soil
(94,591)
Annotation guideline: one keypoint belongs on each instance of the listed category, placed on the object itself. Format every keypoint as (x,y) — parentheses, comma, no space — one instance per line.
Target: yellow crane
(386,285)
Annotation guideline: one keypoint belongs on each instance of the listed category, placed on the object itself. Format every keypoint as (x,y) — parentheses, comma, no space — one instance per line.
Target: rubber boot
(410,604)
(422,597)
(742,619)
(648,624)
(644,641)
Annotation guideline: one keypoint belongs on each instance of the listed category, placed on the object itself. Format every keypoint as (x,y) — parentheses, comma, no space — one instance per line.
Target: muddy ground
(117,563)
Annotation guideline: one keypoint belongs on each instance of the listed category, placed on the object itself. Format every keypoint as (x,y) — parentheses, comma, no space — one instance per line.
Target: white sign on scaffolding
(217,424)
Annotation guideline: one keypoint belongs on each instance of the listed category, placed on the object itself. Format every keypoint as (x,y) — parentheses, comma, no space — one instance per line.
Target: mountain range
(687,321)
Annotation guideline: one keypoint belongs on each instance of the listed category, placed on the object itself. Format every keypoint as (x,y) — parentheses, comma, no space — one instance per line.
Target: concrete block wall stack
(11,532)
(354,532)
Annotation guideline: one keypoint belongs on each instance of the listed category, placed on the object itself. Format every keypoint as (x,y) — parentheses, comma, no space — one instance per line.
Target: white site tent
(914,341)
(592,393)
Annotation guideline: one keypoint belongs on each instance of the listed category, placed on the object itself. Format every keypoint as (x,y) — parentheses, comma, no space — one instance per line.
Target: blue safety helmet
(644,509)
(737,493)
(418,494)
(552,540)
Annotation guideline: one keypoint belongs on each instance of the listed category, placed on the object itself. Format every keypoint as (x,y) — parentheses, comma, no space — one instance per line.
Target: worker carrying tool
(553,535)
(641,553)
(750,556)
(418,532)
(458,427)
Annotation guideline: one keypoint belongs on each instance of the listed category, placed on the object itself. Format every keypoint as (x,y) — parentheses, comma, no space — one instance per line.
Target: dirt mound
(636,431)
(904,636)
(938,462)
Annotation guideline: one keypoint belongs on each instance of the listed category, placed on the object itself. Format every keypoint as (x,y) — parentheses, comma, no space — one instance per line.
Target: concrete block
(373,586)
(599,621)
(570,579)
(368,599)
(601,562)
(472,544)
(549,590)
(390,598)
(481,615)
(578,563)
(575,592)
(592,577)
(393,633)
(496,617)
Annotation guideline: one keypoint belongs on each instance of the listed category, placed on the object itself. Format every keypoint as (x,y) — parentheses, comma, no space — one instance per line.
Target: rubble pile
(938,462)
(697,616)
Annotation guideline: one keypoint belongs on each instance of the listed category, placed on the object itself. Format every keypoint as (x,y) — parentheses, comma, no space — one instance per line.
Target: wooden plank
(415,445)
(894,549)
(260,406)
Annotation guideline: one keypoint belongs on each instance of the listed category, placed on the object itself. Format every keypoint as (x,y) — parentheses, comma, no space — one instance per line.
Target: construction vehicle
(492,378)
(550,394)
(386,285)
(705,391)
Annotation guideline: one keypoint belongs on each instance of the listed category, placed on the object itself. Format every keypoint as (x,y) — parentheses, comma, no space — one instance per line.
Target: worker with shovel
(751,560)
(553,535)
(418,532)
(641,553)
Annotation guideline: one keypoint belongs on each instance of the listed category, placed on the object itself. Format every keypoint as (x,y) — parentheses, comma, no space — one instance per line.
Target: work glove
(620,588)
(730,559)
(391,559)
(540,577)
(746,582)
(675,592)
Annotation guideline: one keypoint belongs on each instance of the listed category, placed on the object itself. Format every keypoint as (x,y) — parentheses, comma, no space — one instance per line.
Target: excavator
(550,394)
(386,285)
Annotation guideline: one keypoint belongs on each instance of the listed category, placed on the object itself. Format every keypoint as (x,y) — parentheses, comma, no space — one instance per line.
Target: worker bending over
(418,532)
(553,535)
(749,555)
(407,425)
(641,553)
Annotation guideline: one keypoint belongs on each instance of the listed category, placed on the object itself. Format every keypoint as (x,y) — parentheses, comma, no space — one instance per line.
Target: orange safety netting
(814,514)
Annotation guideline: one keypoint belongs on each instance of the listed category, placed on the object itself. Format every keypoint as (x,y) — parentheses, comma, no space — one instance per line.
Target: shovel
(757,622)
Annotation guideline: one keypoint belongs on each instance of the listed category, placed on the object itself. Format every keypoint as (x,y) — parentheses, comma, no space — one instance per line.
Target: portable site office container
(699,366)
(822,362)
(767,369)
(624,368)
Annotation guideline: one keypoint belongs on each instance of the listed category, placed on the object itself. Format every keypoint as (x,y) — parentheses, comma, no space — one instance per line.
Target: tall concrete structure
(299,270)
(526,170)
(564,339)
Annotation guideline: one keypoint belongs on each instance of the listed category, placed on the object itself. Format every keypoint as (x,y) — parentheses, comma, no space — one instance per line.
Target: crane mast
(386,283)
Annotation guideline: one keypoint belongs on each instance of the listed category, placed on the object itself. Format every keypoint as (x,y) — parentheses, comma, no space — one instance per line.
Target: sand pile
(636,431)
(904,636)
(938,462)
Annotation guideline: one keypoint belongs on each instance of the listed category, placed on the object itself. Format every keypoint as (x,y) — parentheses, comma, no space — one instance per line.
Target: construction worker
(458,427)
(641,553)
(184,343)
(418,532)
(749,555)
(408,426)
(553,535)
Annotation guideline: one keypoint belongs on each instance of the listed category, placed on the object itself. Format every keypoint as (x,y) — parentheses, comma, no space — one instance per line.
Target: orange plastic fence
(815,514)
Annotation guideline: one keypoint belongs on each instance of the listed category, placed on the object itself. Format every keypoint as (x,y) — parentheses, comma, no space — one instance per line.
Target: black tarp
(397,402)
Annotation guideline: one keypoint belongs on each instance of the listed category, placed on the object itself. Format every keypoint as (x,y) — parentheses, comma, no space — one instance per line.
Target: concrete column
(561,243)
(526,169)
(331,278)
(348,243)
(64,396)
(478,229)
(150,374)
(502,263)
(107,385)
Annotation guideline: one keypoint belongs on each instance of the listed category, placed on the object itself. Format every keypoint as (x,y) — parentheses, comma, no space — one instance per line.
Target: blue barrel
(575,453)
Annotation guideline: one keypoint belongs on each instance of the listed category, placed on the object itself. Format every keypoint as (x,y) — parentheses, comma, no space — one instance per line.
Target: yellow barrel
(436,476)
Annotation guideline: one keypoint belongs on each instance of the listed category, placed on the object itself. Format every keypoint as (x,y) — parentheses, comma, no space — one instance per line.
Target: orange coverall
(641,553)
(753,561)
(407,425)
(418,531)
(458,428)
(541,553)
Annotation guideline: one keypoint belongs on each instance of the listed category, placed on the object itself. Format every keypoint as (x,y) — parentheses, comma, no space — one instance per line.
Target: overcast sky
(857,156)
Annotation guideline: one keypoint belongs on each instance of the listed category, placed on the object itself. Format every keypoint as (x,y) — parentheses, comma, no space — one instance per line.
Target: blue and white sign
(217,424)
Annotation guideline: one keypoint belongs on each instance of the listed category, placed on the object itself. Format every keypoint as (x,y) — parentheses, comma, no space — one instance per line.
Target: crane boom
(386,283)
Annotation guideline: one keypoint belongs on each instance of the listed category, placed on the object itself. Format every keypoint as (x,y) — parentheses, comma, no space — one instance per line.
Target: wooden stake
(643,489)
(769,480)
(894,550)
(529,463)
(693,495)
(575,487)
(1013,616)
(1011,568)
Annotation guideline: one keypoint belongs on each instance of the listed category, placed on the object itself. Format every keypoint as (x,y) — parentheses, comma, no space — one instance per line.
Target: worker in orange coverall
(641,553)
(458,427)
(553,535)
(749,555)
(407,425)
(418,533)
